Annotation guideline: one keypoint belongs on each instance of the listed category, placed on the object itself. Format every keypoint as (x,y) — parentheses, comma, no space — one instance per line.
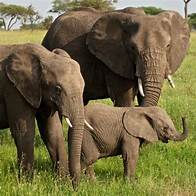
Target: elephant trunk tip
(185,128)
(184,135)
(169,78)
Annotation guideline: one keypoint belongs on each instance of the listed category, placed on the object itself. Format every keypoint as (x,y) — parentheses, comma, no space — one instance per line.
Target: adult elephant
(114,48)
(117,49)
(35,82)
(69,32)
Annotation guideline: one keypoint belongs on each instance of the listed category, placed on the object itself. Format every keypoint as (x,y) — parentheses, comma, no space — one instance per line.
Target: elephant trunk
(184,135)
(75,139)
(152,91)
(152,72)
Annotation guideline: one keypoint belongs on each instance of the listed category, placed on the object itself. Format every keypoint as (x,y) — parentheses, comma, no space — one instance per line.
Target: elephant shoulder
(99,112)
(97,107)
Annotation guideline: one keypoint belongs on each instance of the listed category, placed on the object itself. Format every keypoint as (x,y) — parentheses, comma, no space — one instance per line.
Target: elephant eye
(58,89)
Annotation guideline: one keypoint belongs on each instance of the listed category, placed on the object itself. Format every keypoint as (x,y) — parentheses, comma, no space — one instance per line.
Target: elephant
(122,52)
(34,84)
(122,131)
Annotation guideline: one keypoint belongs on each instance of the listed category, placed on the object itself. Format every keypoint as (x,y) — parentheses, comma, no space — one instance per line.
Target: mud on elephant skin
(34,83)
(122,130)
(115,49)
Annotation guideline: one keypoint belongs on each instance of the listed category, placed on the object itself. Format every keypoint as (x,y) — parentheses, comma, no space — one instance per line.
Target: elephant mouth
(164,140)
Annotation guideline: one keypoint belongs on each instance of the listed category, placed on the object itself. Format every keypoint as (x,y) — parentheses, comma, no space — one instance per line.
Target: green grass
(163,169)
(16,37)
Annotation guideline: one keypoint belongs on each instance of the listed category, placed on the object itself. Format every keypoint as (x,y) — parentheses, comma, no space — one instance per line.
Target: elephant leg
(130,152)
(21,119)
(90,172)
(51,132)
(122,91)
(124,99)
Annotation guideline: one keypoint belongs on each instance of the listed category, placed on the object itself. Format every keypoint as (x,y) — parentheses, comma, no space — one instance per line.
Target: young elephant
(34,83)
(119,130)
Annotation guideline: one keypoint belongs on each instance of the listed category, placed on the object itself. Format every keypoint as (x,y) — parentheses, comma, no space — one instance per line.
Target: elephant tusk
(88,125)
(68,122)
(140,87)
(169,78)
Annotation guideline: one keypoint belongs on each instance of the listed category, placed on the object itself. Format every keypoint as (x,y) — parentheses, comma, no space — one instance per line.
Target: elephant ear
(24,71)
(106,42)
(180,33)
(139,124)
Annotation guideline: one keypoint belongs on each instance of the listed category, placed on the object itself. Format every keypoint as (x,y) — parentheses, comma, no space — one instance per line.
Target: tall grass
(163,169)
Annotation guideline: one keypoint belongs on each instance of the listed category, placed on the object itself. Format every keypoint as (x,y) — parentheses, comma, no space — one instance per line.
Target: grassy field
(163,169)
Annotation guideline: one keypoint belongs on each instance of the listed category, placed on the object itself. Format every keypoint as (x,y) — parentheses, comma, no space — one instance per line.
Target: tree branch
(14,23)
(10,24)
(4,25)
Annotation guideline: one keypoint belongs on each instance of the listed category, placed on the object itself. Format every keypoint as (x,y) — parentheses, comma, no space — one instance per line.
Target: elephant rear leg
(130,153)
(21,119)
(51,132)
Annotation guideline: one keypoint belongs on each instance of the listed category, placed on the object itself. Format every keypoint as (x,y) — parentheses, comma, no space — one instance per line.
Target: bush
(152,10)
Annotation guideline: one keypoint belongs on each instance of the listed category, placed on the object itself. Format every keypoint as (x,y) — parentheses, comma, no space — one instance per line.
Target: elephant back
(69,27)
(180,34)
(133,10)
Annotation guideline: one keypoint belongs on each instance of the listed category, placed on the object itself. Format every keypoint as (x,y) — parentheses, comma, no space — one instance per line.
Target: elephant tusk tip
(169,78)
(140,87)
(68,122)
(88,125)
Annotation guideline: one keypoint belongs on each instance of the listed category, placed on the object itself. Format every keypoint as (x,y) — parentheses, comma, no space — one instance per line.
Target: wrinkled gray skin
(115,48)
(34,83)
(121,131)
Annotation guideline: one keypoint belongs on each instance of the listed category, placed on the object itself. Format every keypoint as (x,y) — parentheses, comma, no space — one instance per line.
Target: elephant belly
(107,143)
(3,117)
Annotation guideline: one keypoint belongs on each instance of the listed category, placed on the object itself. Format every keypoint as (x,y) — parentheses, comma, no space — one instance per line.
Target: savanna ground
(163,169)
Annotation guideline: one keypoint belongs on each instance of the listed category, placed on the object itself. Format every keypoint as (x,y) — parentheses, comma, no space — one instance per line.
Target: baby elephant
(120,130)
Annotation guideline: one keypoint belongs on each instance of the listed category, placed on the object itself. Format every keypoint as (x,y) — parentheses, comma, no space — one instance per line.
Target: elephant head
(153,124)
(52,79)
(150,48)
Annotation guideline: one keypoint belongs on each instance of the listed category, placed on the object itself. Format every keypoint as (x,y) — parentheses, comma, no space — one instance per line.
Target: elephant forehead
(150,33)
(162,115)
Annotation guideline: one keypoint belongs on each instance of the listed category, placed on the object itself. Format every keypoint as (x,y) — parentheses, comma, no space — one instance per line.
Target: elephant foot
(90,173)
(130,179)
(62,173)
(75,183)
(26,175)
